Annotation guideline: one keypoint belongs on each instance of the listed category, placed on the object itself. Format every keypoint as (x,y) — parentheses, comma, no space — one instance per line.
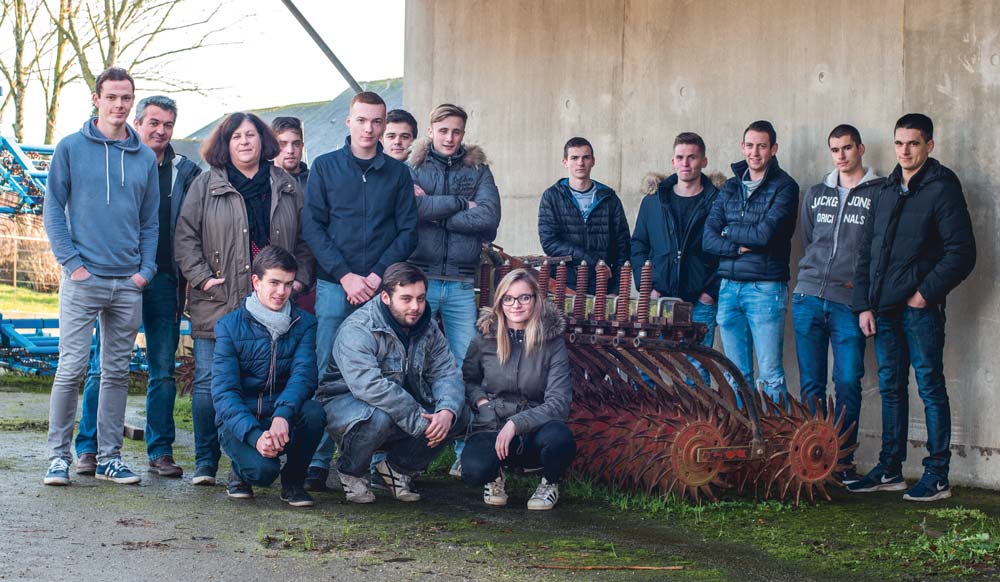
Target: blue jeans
(206,432)
(914,336)
(704,314)
(551,447)
(455,301)
(304,430)
(161,322)
(379,432)
(752,321)
(819,325)
(332,308)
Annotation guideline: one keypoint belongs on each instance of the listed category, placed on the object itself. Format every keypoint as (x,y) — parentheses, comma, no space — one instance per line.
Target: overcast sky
(274,63)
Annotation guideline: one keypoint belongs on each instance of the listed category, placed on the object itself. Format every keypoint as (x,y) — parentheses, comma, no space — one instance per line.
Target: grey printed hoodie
(829,252)
(101,204)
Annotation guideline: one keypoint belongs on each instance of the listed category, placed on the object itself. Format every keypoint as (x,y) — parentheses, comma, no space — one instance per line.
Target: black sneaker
(849,476)
(879,479)
(238,489)
(296,496)
(316,479)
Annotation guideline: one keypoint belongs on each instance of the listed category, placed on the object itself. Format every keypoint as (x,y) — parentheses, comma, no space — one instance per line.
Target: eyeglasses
(524,299)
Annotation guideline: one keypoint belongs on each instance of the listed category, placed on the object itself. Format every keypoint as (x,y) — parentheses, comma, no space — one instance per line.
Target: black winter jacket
(529,389)
(256,378)
(450,235)
(764,223)
(920,240)
(681,267)
(358,222)
(604,235)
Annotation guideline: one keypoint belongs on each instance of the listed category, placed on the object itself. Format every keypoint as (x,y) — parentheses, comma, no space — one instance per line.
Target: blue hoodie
(101,204)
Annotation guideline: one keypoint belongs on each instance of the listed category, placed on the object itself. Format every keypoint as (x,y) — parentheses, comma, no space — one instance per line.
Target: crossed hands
(360,289)
(439,427)
(273,441)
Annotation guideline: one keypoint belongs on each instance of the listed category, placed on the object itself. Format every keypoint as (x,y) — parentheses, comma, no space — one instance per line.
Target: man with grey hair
(162,302)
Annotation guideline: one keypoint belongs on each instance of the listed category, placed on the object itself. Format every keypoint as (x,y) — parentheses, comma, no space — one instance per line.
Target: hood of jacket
(553,322)
(130,144)
(833,178)
(470,156)
(652,180)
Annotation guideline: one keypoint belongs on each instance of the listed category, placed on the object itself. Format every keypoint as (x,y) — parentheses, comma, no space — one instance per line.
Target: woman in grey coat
(517,382)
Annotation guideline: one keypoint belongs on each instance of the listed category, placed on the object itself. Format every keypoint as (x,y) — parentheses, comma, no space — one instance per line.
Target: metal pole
(322,45)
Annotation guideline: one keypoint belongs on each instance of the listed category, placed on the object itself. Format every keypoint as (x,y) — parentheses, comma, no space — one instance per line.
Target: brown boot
(166,467)
(86,464)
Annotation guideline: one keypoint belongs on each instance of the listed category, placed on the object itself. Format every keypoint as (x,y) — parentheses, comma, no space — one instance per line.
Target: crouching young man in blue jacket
(263,380)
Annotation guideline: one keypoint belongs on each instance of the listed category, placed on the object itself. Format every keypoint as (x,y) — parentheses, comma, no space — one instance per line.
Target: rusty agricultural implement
(644,417)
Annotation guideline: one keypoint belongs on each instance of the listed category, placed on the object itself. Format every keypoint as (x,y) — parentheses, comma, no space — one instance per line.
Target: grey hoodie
(101,204)
(829,253)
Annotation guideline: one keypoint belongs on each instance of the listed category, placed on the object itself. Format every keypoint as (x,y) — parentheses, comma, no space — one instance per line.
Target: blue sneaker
(878,479)
(117,471)
(58,473)
(929,488)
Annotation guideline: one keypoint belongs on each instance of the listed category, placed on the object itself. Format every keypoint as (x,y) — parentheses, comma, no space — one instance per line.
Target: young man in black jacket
(833,217)
(750,228)
(918,246)
(359,217)
(668,233)
(583,218)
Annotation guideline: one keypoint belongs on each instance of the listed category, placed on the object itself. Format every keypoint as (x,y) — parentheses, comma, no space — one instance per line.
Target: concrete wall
(631,74)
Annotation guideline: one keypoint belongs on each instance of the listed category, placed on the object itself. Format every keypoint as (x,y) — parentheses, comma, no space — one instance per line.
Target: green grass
(28,300)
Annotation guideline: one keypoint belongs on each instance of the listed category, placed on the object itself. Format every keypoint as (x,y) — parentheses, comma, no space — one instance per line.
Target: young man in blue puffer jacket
(750,227)
(263,379)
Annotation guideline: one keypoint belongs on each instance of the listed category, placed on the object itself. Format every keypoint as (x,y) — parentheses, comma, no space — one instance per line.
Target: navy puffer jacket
(763,223)
(256,378)
(604,235)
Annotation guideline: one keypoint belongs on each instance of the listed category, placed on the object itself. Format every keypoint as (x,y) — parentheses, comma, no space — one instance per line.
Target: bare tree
(21,16)
(135,35)
(53,70)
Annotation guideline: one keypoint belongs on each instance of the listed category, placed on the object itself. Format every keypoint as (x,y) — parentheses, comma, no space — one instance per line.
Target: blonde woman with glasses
(517,382)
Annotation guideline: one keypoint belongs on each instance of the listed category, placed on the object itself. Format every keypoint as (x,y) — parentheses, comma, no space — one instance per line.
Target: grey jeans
(117,303)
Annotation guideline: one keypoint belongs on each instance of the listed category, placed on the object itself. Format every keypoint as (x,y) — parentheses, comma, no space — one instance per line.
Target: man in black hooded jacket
(918,246)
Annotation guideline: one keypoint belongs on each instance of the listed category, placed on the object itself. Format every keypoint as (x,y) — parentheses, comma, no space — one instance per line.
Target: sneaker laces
(547,491)
(496,488)
(115,465)
(59,465)
(394,479)
(353,485)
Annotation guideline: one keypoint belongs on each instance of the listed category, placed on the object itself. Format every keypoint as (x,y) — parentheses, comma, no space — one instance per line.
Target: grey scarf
(276,322)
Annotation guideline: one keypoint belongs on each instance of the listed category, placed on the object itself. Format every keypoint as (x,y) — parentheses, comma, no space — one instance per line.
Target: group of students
(382,237)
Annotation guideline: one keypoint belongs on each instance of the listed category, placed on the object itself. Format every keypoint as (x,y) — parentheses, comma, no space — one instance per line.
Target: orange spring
(645,288)
(624,292)
(484,285)
(580,299)
(561,286)
(543,278)
(603,273)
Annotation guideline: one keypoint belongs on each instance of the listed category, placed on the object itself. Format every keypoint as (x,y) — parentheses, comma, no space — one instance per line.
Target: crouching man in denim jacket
(263,380)
(392,385)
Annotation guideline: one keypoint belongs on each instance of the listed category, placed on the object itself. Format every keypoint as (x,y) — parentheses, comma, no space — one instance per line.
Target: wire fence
(29,273)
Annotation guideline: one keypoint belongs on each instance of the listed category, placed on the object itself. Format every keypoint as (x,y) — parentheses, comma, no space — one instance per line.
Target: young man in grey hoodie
(101,216)
(833,216)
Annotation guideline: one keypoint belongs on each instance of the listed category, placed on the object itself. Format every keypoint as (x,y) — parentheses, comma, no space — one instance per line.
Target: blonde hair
(533,333)
(446,110)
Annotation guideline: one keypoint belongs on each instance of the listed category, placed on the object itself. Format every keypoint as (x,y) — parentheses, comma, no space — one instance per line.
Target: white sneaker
(456,469)
(494,492)
(545,496)
(356,488)
(396,482)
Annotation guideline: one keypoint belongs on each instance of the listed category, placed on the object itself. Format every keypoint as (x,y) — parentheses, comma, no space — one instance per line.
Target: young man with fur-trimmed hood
(458,209)
(668,232)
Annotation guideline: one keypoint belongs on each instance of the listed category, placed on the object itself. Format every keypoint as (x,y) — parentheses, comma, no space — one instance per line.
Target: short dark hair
(287,123)
(399,274)
(402,116)
(368,97)
(112,74)
(274,257)
(576,142)
(917,121)
(845,130)
(215,150)
(690,138)
(763,126)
